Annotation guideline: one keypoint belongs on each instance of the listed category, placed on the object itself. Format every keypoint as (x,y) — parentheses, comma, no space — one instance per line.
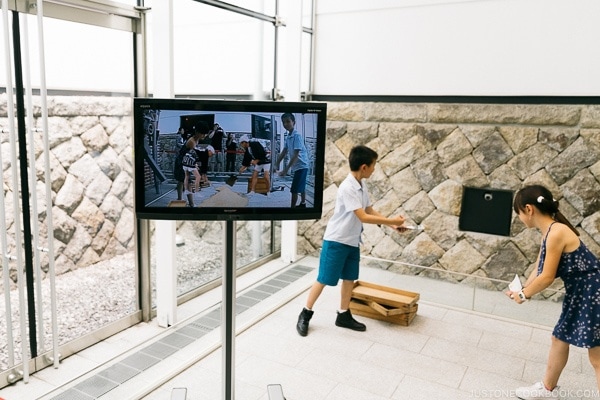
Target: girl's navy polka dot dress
(579,322)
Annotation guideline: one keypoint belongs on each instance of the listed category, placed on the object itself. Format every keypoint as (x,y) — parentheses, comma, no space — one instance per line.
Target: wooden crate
(261,185)
(177,203)
(384,303)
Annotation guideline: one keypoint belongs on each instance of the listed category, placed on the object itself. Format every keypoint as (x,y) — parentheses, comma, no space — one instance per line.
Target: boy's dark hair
(360,155)
(288,116)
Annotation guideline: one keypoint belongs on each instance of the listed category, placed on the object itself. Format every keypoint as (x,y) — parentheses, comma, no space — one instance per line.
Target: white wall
(468,47)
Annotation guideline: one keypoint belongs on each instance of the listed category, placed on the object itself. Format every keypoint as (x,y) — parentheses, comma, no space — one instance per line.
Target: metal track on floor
(112,377)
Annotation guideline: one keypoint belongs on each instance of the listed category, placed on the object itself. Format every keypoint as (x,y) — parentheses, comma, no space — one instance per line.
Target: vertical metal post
(142,231)
(292,42)
(47,181)
(32,182)
(26,212)
(3,235)
(166,270)
(275,93)
(15,194)
(228,311)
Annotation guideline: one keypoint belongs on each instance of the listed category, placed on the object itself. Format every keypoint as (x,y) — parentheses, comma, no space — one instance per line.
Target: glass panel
(307,11)
(221,52)
(92,139)
(306,60)
(95,59)
(91,181)
(199,250)
(3,56)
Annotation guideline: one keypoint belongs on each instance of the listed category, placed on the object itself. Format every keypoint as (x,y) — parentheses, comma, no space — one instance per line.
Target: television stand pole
(228,312)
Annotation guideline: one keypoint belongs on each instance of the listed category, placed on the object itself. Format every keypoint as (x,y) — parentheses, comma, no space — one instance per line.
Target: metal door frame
(106,14)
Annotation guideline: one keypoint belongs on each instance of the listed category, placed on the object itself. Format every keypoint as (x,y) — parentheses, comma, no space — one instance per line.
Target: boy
(298,162)
(255,158)
(340,253)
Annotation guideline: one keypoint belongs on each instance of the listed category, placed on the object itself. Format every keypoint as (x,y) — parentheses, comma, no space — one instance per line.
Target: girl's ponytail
(542,199)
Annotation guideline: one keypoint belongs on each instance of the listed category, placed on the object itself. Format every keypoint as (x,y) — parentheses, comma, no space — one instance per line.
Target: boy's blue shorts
(338,261)
(299,181)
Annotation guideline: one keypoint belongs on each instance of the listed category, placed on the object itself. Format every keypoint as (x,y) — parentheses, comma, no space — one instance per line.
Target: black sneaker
(303,320)
(345,320)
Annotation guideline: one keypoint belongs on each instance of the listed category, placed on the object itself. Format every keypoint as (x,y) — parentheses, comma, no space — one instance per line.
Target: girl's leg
(557,359)
(594,354)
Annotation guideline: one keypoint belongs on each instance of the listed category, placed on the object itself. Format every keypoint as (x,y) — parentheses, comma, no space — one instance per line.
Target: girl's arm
(533,273)
(555,244)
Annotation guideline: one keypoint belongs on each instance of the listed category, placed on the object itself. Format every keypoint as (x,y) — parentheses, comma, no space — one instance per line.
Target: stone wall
(428,152)
(91,159)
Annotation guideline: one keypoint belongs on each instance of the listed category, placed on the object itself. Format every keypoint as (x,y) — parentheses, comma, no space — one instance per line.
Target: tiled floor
(445,353)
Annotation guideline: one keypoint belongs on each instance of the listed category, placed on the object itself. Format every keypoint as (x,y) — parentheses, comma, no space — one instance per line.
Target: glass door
(69,276)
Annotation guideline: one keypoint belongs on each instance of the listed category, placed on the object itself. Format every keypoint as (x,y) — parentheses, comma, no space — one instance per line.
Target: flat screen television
(217,186)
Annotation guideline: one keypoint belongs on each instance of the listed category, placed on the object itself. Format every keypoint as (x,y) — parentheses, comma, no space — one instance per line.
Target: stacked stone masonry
(90,142)
(429,152)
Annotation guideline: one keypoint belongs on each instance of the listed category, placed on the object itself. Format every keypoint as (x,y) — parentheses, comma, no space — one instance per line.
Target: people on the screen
(204,151)
(255,159)
(231,148)
(298,163)
(190,162)
(216,135)
(178,172)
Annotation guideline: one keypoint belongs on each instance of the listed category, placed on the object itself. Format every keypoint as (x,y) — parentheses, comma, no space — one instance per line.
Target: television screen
(228,160)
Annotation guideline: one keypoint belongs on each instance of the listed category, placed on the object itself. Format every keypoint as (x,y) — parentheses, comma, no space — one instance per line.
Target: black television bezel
(227,213)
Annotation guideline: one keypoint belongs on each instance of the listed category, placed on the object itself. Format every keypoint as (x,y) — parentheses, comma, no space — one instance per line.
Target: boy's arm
(292,161)
(280,157)
(371,216)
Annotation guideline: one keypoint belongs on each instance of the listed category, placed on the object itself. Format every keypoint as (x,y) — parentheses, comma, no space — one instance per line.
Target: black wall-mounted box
(486,211)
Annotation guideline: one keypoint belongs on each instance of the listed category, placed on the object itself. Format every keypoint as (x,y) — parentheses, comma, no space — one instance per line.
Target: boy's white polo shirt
(344,227)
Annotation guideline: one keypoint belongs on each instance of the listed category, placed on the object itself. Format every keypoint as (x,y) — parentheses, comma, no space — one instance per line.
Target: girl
(562,255)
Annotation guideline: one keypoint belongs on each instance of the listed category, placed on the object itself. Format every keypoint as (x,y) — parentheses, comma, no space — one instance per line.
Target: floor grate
(105,381)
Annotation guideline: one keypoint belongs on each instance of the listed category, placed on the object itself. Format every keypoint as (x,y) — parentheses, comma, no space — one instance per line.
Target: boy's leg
(268,180)
(303,191)
(196,180)
(344,318)
(313,295)
(294,188)
(325,261)
(253,180)
(307,312)
(346,294)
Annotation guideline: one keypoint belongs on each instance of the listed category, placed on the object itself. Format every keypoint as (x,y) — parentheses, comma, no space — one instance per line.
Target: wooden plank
(359,308)
(177,203)
(384,295)
(380,309)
